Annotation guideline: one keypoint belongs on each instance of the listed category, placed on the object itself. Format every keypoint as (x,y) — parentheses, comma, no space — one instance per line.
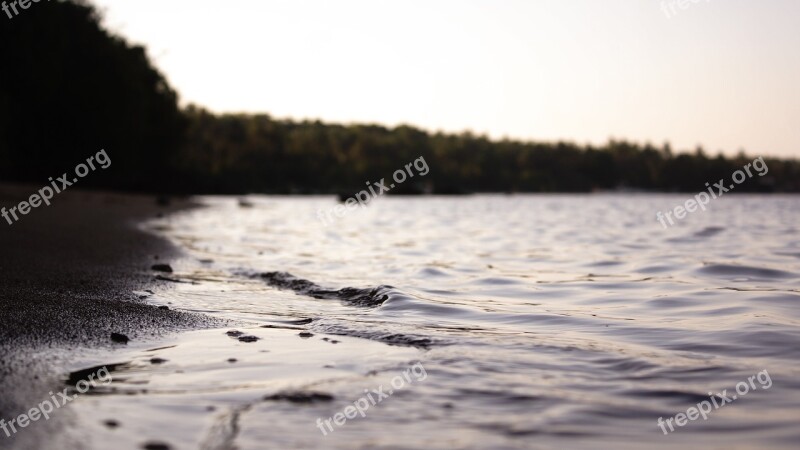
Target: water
(551,321)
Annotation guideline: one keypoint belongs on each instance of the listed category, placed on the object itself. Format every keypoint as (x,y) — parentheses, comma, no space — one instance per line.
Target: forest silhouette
(70,88)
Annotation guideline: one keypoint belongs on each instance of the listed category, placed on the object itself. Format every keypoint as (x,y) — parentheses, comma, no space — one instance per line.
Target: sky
(723,74)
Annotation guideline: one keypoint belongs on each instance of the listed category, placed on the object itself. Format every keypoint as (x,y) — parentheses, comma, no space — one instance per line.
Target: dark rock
(162,268)
(157,361)
(84,374)
(306,335)
(156,446)
(234,333)
(119,338)
(300,397)
(248,339)
(111,424)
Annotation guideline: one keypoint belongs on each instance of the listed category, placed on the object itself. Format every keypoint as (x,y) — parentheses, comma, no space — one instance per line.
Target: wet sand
(217,390)
(69,272)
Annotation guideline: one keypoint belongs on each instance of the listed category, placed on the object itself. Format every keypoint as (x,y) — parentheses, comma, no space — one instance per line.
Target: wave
(367,297)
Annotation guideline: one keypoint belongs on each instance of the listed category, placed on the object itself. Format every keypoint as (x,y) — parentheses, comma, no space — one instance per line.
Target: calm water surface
(541,322)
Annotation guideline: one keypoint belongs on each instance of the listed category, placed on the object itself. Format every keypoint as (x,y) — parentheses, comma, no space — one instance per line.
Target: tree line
(256,153)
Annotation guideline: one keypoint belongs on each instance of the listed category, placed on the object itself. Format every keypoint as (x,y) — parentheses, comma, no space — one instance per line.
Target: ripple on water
(709,232)
(495,281)
(658,269)
(731,271)
(431,272)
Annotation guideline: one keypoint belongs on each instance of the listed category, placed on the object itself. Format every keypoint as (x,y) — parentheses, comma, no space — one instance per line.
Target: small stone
(119,338)
(234,333)
(157,361)
(111,424)
(306,335)
(232,360)
(156,446)
(162,268)
(248,339)
(300,397)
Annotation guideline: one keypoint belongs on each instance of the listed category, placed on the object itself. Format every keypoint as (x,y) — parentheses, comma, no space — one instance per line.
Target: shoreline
(69,275)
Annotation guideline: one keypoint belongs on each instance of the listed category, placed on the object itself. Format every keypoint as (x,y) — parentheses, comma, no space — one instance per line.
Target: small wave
(603,264)
(368,297)
(430,272)
(709,231)
(728,270)
(792,254)
(678,396)
(387,336)
(495,281)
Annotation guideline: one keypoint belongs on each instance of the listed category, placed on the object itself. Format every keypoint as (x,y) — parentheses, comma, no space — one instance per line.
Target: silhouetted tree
(70,88)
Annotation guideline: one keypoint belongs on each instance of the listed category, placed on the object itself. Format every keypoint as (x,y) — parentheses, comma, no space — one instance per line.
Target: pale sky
(724,74)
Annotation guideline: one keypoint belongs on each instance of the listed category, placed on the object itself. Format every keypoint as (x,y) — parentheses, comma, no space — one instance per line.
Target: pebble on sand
(301,397)
(162,268)
(119,338)
(156,446)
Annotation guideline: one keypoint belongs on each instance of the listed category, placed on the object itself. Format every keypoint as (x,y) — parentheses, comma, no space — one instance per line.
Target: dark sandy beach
(69,272)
